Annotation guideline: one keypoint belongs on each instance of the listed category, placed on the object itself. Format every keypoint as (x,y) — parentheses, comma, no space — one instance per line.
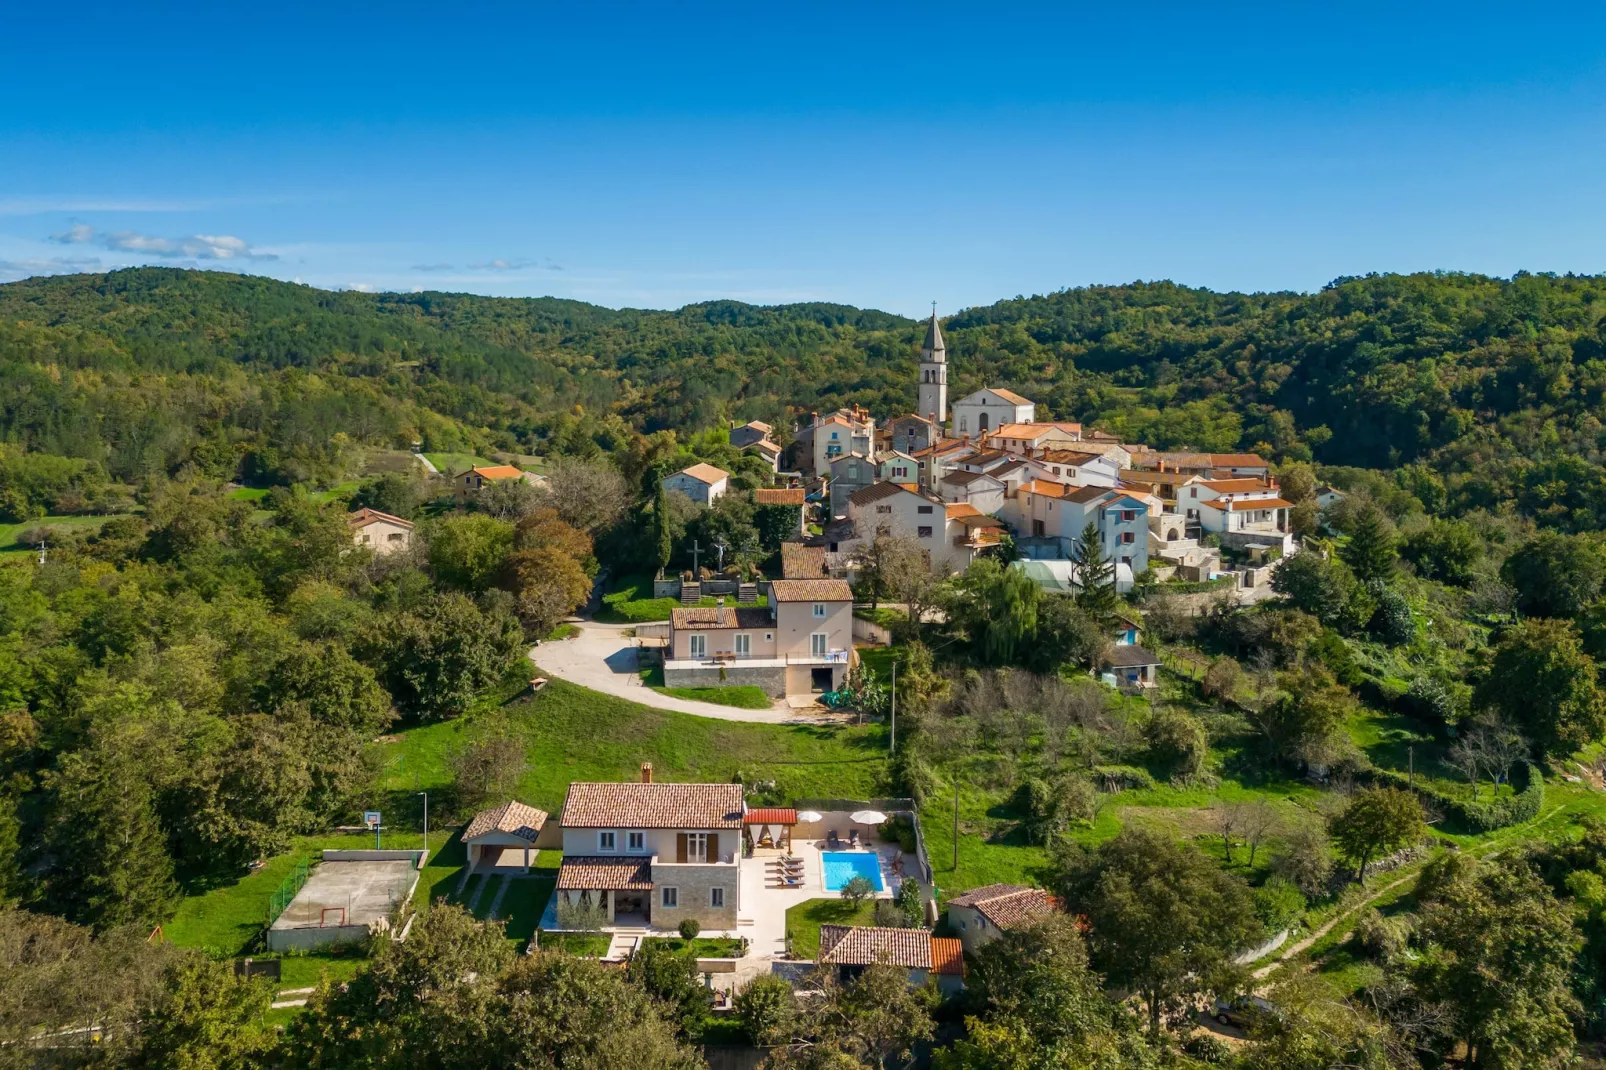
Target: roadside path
(603,658)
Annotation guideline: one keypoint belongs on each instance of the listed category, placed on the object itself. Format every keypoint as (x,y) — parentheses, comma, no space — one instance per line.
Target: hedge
(1477,816)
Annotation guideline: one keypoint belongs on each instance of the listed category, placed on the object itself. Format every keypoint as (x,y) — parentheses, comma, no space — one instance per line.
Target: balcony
(733,661)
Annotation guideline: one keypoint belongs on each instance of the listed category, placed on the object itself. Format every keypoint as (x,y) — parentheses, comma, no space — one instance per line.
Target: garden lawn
(571,733)
(592,945)
(451,464)
(523,906)
(804,920)
(703,947)
(443,869)
(9,533)
(227,918)
(629,601)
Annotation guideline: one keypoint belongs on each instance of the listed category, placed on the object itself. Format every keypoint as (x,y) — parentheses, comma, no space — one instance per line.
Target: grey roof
(1128,655)
(934,335)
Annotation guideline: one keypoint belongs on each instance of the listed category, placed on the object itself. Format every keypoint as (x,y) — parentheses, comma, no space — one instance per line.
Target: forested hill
(1494,387)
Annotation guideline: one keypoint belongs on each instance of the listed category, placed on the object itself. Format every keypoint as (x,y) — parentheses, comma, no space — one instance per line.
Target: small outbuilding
(851,949)
(1132,665)
(513,826)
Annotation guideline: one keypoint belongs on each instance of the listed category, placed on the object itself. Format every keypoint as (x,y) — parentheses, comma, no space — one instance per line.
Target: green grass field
(629,601)
(9,533)
(703,947)
(804,920)
(571,734)
(588,945)
(450,464)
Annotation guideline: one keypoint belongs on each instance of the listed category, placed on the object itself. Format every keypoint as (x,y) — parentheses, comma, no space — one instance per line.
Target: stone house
(379,532)
(802,642)
(851,949)
(654,854)
(466,485)
(850,472)
(702,483)
(981,914)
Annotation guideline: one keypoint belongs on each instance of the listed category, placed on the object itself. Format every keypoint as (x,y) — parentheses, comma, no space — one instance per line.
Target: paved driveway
(602,658)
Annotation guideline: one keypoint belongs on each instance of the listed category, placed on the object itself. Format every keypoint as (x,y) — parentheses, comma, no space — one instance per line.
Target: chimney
(720,602)
(646,772)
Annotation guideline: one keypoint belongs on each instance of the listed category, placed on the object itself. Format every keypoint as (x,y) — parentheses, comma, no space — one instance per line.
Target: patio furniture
(832,838)
(853,838)
(791,882)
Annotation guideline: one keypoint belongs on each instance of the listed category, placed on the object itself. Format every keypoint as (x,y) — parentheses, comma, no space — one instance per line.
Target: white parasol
(809,815)
(868,817)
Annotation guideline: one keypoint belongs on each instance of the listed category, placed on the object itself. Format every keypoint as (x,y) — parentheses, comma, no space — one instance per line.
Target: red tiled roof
(718,617)
(496,471)
(512,817)
(858,945)
(653,806)
(772,815)
(363,517)
(875,492)
(1246,504)
(1006,904)
(1237,460)
(704,473)
(1233,486)
(1009,395)
(587,873)
(810,591)
(947,956)
(801,562)
(778,496)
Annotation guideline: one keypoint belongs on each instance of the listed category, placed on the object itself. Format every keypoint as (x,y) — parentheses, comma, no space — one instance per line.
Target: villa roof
(1234,486)
(705,473)
(589,873)
(1246,504)
(512,817)
(778,496)
(657,806)
(718,617)
(810,591)
(1083,495)
(764,445)
(495,471)
(802,562)
(363,517)
(960,477)
(1155,478)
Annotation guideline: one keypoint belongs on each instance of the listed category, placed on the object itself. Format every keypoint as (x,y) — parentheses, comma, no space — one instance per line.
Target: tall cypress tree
(666,541)
(1096,574)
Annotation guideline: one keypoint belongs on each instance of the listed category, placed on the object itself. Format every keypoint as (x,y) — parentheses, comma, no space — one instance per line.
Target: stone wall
(692,884)
(772,679)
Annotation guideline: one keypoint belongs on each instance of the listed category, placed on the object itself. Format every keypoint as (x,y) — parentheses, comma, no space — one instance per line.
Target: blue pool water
(843,866)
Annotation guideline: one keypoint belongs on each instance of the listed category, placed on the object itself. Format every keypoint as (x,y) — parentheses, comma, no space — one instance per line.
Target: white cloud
(515,264)
(194,247)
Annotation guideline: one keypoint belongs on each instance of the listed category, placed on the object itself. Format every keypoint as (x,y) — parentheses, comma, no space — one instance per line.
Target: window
(697,847)
(923,510)
(635,841)
(1128,537)
(883,508)
(964,424)
(923,532)
(744,644)
(817,645)
(819,610)
(670,896)
(769,637)
(833,436)
(699,645)
(1129,515)
(853,471)
(394,536)
(716,897)
(607,841)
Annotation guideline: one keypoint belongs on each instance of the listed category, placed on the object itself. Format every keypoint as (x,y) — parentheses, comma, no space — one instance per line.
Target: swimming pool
(843,866)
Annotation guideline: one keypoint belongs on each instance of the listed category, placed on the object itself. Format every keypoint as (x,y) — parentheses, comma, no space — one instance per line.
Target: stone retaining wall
(771,679)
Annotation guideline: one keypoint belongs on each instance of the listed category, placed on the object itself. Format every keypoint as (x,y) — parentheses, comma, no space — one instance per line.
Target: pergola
(771,823)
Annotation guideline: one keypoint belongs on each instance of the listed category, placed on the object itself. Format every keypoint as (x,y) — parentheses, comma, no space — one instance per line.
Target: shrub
(1477,816)
(1381,938)
(1392,621)
(889,916)
(689,928)
(766,1007)
(857,890)
(1114,778)
(1279,904)
(1208,1049)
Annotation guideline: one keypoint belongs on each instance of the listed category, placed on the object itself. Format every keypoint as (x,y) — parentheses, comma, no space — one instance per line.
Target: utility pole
(894,706)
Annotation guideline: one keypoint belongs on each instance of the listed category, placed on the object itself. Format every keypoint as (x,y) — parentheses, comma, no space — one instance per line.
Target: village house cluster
(956,480)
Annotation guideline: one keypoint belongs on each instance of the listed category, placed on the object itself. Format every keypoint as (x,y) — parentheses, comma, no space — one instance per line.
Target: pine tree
(1370,551)
(1096,574)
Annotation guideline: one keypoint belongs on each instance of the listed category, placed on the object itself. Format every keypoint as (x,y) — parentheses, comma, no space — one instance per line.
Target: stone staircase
(624,942)
(690,593)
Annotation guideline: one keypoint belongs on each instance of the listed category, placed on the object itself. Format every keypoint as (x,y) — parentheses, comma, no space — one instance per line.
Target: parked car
(1242,1010)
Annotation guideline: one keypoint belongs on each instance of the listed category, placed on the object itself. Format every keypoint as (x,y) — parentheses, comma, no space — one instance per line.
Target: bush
(1208,1049)
(689,928)
(1381,938)
(857,890)
(888,915)
(766,1007)
(1279,904)
(1476,816)
(1114,778)
(1392,621)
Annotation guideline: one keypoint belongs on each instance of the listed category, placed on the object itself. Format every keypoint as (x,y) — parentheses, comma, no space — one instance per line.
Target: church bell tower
(933,374)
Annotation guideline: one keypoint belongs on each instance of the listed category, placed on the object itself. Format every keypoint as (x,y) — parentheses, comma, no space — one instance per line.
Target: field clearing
(9,533)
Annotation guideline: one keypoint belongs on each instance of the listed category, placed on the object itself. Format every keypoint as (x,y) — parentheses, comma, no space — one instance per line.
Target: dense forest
(1482,391)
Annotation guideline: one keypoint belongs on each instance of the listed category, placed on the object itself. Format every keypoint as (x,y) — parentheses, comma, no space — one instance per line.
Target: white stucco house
(702,483)
(989,409)
(379,532)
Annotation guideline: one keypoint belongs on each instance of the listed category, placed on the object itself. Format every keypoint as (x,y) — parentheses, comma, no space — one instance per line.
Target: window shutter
(713,847)
(680,847)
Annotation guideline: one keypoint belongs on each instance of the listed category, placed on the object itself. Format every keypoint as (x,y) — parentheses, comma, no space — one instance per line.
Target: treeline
(1492,387)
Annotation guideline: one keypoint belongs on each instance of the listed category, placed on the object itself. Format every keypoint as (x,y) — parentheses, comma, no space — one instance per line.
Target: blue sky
(878,155)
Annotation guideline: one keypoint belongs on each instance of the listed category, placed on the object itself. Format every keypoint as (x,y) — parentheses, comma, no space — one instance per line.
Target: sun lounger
(853,837)
(832,839)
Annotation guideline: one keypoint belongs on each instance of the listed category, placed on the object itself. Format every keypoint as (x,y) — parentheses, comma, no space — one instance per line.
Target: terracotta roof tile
(512,816)
(810,591)
(1069,456)
(856,945)
(496,471)
(961,510)
(800,562)
(947,956)
(653,806)
(705,473)
(1237,460)
(772,815)
(1247,504)
(876,492)
(1235,486)
(1009,395)
(717,617)
(778,496)
(1006,904)
(595,873)
(363,517)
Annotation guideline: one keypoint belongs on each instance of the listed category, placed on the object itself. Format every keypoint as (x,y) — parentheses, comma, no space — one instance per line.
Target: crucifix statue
(695,550)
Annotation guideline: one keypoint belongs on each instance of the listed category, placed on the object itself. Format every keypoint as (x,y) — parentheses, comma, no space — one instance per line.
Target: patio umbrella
(868,817)
(809,815)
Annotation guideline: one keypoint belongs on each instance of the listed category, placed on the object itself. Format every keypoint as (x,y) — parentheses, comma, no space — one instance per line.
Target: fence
(292,883)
